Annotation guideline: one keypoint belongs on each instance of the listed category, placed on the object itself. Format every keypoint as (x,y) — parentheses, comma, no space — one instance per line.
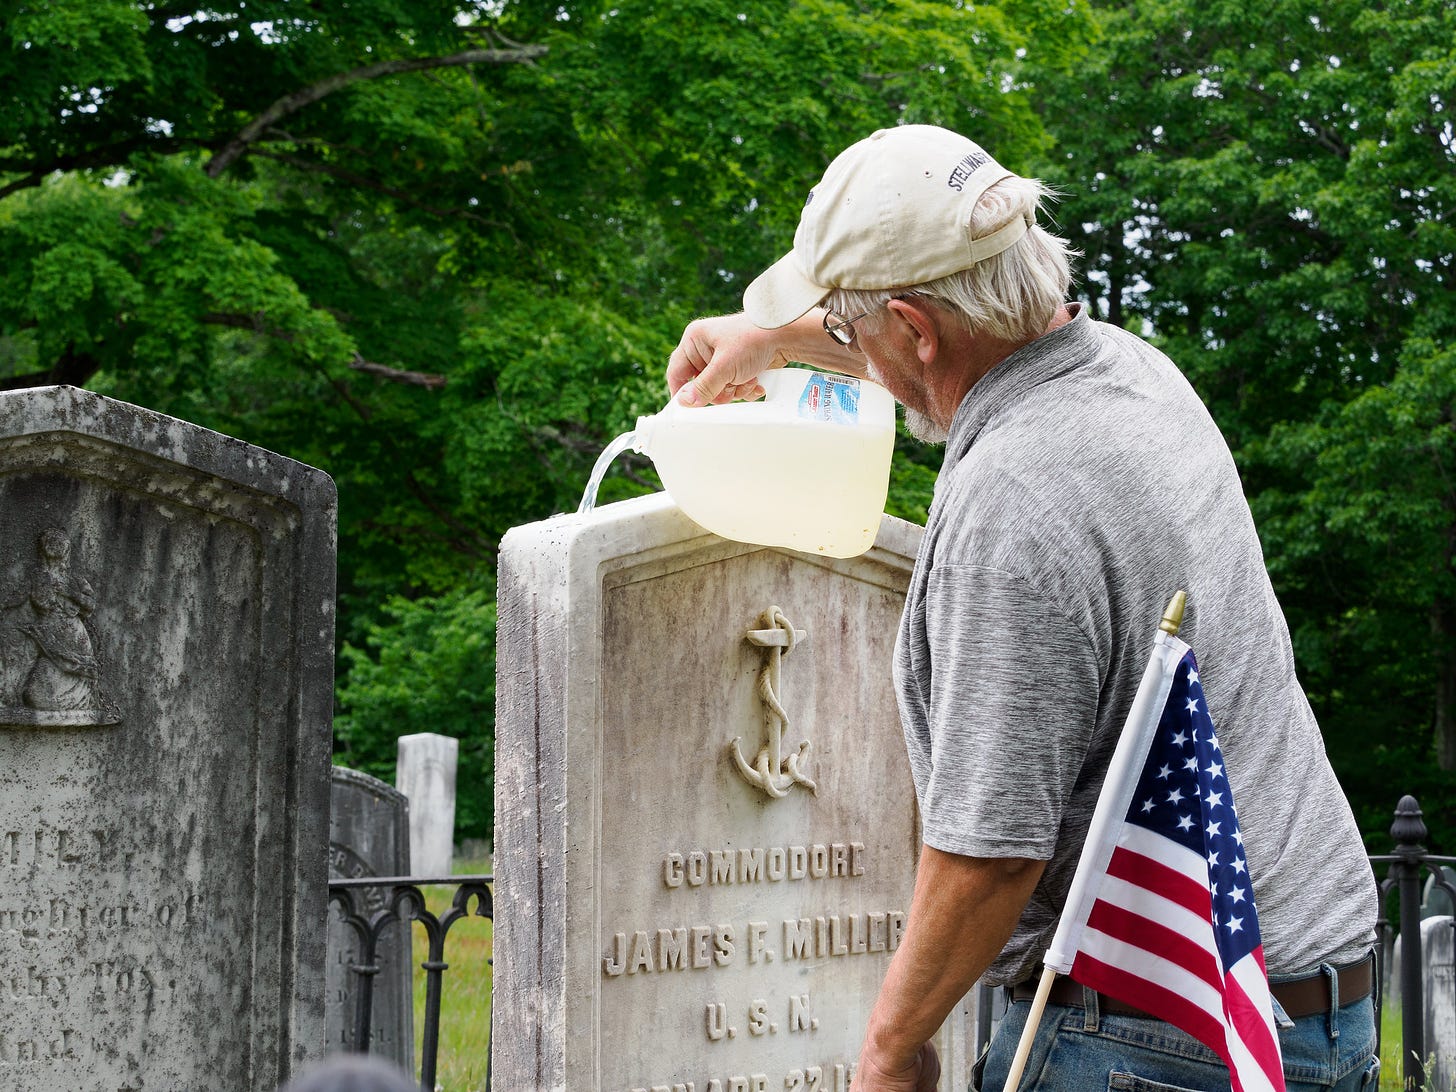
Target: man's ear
(921,323)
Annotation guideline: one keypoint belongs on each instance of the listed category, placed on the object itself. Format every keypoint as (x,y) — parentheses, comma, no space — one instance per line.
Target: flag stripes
(1162,912)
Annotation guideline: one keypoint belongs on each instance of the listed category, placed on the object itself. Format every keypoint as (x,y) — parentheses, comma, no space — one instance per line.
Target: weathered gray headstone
(369,836)
(1439,987)
(425,773)
(1435,899)
(706,830)
(166,678)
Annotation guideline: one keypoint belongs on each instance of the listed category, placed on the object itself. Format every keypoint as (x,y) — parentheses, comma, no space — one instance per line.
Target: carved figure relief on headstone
(50,675)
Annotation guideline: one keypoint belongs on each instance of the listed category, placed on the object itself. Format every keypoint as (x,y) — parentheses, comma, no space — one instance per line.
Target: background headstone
(1439,987)
(1435,899)
(681,896)
(425,772)
(166,635)
(369,836)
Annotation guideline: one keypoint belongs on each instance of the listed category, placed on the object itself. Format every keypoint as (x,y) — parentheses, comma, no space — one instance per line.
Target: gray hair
(1011,296)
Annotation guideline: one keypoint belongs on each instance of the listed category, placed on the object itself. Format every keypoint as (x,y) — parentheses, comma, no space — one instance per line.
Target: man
(1083,483)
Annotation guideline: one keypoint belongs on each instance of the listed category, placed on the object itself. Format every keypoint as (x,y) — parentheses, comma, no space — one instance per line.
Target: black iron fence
(1411,877)
(406,903)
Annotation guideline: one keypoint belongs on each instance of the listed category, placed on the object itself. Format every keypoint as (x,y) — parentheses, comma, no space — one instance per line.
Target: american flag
(1172,928)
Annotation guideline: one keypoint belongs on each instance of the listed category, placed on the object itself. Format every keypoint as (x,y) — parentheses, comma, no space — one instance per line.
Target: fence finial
(1408,830)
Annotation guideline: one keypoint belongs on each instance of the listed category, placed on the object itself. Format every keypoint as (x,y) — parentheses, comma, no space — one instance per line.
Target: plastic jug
(807,467)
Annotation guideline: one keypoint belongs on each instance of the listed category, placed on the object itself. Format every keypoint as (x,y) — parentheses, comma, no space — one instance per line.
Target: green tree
(428,666)
(441,249)
(1266,189)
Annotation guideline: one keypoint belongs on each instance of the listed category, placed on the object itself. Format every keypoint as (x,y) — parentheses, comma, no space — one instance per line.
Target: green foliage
(442,250)
(427,667)
(451,282)
(1267,189)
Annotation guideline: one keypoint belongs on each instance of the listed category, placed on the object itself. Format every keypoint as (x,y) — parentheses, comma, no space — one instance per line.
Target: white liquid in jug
(808,468)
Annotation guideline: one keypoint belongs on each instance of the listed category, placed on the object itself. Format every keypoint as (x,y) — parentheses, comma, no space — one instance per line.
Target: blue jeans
(1080,1050)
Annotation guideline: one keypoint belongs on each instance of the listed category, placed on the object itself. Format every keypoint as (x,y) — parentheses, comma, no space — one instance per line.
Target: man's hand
(963,912)
(922,1075)
(720,359)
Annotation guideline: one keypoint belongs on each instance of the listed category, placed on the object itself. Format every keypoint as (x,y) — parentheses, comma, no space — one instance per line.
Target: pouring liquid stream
(599,471)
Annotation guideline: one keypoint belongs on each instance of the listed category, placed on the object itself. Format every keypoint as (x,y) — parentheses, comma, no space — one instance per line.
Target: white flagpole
(1112,803)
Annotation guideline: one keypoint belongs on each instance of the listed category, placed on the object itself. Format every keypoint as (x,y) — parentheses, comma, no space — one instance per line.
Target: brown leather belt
(1301,997)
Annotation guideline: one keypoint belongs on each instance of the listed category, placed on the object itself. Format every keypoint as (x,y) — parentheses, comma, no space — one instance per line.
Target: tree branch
(359,364)
(108,155)
(397,375)
(369,184)
(73,369)
(304,96)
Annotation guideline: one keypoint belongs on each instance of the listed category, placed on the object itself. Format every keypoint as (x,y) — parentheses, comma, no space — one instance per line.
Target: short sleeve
(1012,702)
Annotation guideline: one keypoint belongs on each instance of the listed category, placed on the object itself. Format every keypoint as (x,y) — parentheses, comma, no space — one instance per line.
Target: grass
(465,994)
(1392,1066)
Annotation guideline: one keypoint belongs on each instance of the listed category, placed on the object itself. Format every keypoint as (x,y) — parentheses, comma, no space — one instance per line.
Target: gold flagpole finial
(1173,616)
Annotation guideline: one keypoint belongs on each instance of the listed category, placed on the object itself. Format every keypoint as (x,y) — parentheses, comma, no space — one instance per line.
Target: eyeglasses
(841,329)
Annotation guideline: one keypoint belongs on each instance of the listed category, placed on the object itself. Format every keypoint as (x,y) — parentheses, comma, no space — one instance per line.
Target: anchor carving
(771,771)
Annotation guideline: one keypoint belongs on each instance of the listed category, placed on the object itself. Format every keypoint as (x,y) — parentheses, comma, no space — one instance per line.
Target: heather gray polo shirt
(1084,482)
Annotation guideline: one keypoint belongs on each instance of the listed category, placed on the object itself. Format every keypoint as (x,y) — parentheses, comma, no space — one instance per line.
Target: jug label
(830,398)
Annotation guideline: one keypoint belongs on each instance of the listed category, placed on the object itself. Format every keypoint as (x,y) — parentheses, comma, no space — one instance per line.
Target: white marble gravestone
(425,773)
(706,829)
(166,692)
(1438,950)
(369,836)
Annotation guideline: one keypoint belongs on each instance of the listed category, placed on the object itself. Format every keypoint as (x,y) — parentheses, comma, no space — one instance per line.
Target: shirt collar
(1049,356)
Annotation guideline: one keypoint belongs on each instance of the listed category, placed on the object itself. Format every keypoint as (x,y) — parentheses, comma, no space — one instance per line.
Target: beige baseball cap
(892,210)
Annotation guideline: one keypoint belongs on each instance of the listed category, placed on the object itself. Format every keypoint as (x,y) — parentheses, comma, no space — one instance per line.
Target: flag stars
(1192,705)
(1176,796)
(1214,769)
(1192,676)
(1147,805)
(1237,894)
(1185,822)
(1240,866)
(1215,800)
(1180,738)
(1213,860)
(1234,925)
(1213,830)
(1166,772)
(1191,764)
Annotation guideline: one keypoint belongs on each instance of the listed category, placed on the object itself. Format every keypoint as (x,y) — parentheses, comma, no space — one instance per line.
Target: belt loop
(1091,1012)
(1332,974)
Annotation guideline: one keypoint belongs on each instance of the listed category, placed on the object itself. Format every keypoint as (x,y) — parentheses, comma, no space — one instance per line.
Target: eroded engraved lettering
(61,917)
(699,947)
(763,864)
(750,865)
(18,1050)
(799,1017)
(834,1077)
(836,935)
(758,942)
(717,1020)
(672,949)
(60,848)
(723,870)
